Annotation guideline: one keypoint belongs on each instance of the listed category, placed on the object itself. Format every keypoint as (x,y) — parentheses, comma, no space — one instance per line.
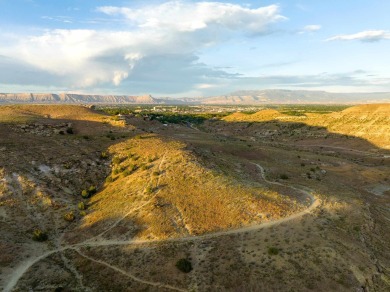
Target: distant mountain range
(244,97)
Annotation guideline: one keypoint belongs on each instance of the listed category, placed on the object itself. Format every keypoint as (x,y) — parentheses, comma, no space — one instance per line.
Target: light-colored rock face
(244,97)
(73,98)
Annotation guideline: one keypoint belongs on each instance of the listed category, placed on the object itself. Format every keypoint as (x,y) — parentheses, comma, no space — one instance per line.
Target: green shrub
(109,179)
(127,172)
(85,194)
(69,130)
(116,160)
(184,265)
(132,167)
(39,235)
(149,189)
(83,213)
(283,176)
(69,216)
(92,190)
(81,206)
(273,251)
(118,170)
(104,155)
(156,173)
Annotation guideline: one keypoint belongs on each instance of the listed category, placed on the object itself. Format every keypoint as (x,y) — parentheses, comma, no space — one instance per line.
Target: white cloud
(84,58)
(188,17)
(364,36)
(206,86)
(119,76)
(311,28)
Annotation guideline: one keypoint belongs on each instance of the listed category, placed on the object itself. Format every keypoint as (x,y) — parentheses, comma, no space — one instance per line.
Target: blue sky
(193,48)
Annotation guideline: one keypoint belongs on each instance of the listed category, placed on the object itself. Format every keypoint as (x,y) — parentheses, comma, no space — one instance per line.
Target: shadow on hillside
(276,145)
(281,147)
(294,134)
(272,144)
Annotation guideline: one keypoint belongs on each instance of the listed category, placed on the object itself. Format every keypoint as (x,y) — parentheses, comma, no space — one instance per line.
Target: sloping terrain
(162,191)
(266,204)
(371,122)
(148,187)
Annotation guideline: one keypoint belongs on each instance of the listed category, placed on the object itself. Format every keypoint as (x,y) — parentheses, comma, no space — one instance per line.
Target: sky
(193,48)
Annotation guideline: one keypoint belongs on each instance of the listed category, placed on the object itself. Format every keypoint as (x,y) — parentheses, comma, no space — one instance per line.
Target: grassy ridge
(168,192)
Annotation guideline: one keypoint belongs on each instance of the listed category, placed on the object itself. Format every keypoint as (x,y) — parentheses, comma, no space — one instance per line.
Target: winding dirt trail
(95,241)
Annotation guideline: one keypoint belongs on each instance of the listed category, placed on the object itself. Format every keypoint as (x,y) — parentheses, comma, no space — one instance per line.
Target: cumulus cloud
(364,36)
(189,17)
(175,30)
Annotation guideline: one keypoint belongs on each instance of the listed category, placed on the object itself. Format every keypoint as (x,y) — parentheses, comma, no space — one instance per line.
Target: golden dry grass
(370,122)
(175,194)
(10,113)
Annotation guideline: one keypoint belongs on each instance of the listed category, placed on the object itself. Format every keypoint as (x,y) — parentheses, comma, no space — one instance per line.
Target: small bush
(116,160)
(118,170)
(69,217)
(273,251)
(109,179)
(67,165)
(127,172)
(69,130)
(92,190)
(81,206)
(85,194)
(184,265)
(302,164)
(156,173)
(149,189)
(104,155)
(283,176)
(83,213)
(132,167)
(39,235)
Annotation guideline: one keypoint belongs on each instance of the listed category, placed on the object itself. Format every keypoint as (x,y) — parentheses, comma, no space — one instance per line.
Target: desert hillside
(371,122)
(96,202)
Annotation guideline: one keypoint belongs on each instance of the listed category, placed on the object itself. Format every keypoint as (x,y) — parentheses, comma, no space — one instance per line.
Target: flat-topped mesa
(74,98)
(29,97)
